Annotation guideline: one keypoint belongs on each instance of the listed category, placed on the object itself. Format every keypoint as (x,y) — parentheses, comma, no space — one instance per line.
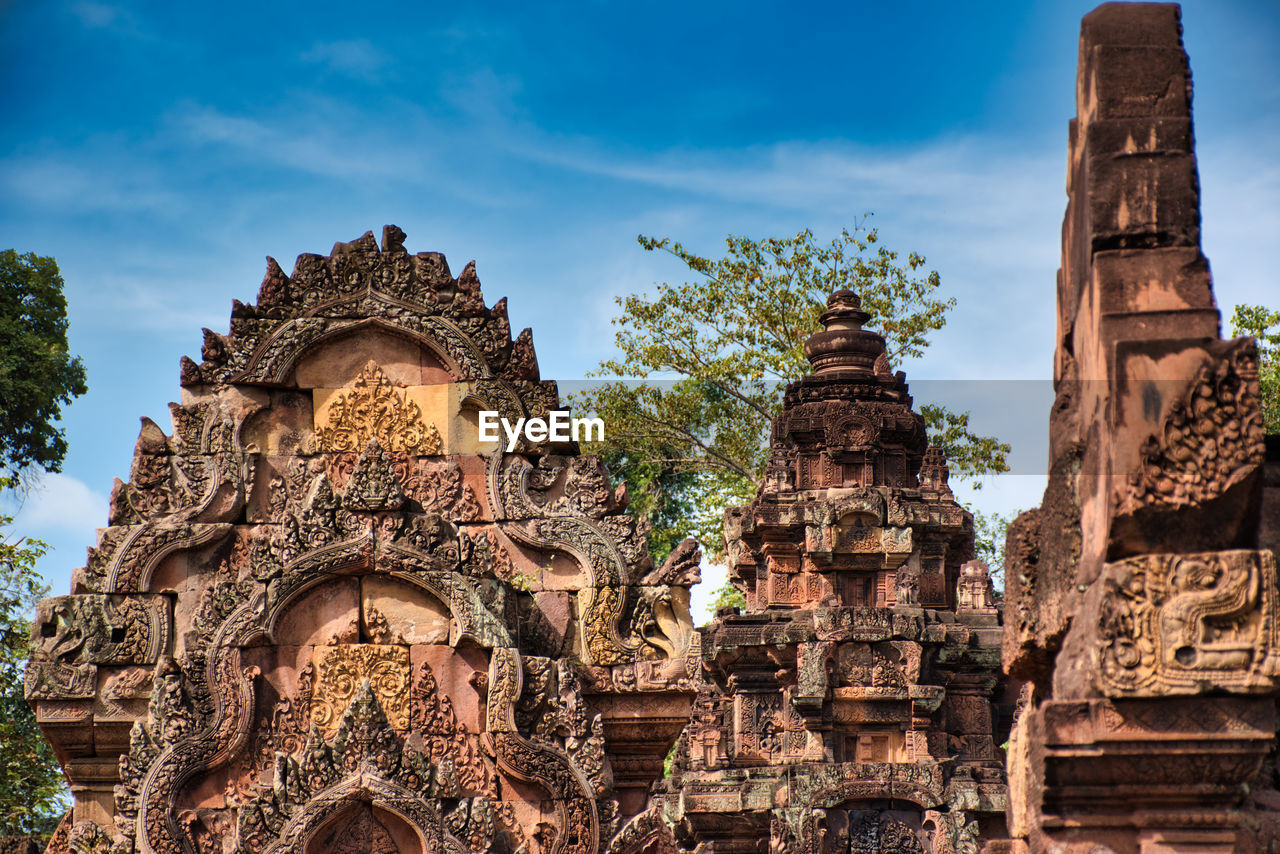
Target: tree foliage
(714,355)
(659,492)
(729,596)
(990,531)
(1264,324)
(38,376)
(32,788)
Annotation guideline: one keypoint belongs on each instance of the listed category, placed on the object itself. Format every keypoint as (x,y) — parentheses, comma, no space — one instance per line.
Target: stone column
(1141,609)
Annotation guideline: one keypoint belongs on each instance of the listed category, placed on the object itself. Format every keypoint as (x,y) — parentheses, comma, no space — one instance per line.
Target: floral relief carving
(228,524)
(363,835)
(373,484)
(342,668)
(1211,438)
(374,407)
(439,487)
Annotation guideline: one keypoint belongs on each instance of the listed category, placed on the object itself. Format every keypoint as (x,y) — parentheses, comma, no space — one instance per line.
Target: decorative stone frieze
(1142,592)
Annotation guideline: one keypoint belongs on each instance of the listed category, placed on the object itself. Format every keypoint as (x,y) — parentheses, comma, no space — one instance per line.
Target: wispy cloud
(355,58)
(107,17)
(278,144)
(61,503)
(343,143)
(96,15)
(67,182)
(986,212)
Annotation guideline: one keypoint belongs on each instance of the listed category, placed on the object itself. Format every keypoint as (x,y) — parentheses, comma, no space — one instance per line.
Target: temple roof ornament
(843,346)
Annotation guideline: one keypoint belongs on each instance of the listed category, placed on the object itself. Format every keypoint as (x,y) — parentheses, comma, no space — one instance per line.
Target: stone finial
(843,345)
(934,472)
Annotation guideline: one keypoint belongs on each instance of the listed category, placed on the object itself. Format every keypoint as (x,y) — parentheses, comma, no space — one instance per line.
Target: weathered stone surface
(1142,593)
(849,707)
(325,618)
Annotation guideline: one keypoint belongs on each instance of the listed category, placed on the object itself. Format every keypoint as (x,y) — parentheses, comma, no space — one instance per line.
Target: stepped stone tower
(325,618)
(850,707)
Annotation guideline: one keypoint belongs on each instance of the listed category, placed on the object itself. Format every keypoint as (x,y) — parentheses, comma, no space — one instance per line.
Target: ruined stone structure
(1142,595)
(325,619)
(850,707)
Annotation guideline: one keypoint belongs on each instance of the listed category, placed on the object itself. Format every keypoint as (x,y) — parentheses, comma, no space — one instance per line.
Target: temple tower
(850,707)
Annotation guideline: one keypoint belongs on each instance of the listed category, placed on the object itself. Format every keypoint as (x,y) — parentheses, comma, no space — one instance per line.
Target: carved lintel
(1211,439)
(96,628)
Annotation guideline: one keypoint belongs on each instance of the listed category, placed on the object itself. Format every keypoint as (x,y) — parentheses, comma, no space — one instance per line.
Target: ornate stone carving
(646,832)
(682,568)
(373,485)
(448,742)
(364,744)
(374,409)
(341,670)
(1211,439)
(853,663)
(439,487)
(1176,624)
(1139,610)
(102,629)
(974,592)
(363,835)
(71,635)
(874,834)
(306,542)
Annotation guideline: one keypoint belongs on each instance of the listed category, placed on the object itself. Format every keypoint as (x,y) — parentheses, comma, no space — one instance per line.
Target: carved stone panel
(342,668)
(374,408)
(1181,623)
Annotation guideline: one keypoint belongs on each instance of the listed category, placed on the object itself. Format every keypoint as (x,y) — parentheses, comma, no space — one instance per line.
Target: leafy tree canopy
(989,533)
(1264,324)
(716,353)
(37,378)
(37,374)
(32,788)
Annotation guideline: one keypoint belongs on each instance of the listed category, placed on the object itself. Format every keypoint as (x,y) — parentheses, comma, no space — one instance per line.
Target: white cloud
(60,502)
(356,58)
(68,182)
(109,18)
(96,15)
(274,143)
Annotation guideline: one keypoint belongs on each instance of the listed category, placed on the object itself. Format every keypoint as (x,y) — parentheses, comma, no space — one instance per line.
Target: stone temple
(325,618)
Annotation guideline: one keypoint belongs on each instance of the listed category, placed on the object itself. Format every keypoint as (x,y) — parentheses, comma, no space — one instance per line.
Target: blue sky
(160,150)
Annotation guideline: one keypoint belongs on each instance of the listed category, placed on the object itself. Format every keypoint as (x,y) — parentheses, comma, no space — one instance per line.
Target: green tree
(660,492)
(715,354)
(33,793)
(989,533)
(729,596)
(38,376)
(1264,324)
